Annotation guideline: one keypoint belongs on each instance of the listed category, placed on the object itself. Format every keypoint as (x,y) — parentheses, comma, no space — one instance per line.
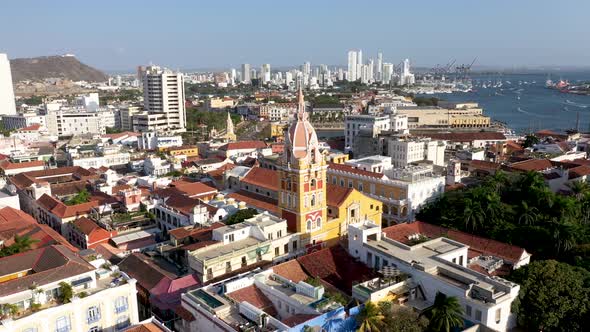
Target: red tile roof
(193,189)
(243,145)
(336,267)
(252,295)
(298,319)
(166,293)
(182,203)
(256,201)
(65,211)
(291,270)
(354,170)
(144,270)
(7,165)
(508,252)
(579,171)
(184,232)
(33,127)
(532,165)
(336,194)
(262,177)
(486,165)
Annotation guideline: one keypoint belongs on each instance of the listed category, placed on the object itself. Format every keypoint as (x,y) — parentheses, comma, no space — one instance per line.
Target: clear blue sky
(119,35)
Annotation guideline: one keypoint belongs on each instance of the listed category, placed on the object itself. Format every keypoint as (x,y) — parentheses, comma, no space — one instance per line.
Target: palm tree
(23,243)
(473,215)
(564,238)
(579,188)
(445,314)
(528,214)
(370,318)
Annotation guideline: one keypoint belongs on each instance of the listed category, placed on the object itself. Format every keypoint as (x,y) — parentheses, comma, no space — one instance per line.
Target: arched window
(313,200)
(319,222)
(313,183)
(309,224)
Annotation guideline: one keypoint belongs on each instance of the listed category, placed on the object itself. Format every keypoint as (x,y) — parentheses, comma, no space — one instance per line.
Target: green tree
(370,318)
(401,319)
(65,292)
(21,244)
(81,197)
(528,214)
(240,216)
(445,314)
(553,296)
(530,140)
(473,214)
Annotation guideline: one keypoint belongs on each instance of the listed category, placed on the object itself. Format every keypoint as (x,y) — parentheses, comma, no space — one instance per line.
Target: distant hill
(36,69)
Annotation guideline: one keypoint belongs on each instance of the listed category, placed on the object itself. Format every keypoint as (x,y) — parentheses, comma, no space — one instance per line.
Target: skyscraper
(265,73)
(246,78)
(387,73)
(379,67)
(163,100)
(352,76)
(7,104)
(406,77)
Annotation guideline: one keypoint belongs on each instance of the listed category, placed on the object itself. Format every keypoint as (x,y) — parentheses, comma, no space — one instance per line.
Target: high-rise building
(387,73)
(406,77)
(163,95)
(246,71)
(352,76)
(233,76)
(7,104)
(359,57)
(379,67)
(265,73)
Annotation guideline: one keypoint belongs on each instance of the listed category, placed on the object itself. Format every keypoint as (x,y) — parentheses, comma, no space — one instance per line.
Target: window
(294,245)
(360,187)
(244,262)
(277,251)
(122,322)
(62,324)
(121,304)
(468,310)
(94,329)
(350,184)
(279,234)
(231,238)
(93,314)
(478,315)
(498,315)
(227,266)
(286,248)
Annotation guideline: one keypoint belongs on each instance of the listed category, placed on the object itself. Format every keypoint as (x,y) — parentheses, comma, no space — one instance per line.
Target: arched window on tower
(309,224)
(319,222)
(313,200)
(313,183)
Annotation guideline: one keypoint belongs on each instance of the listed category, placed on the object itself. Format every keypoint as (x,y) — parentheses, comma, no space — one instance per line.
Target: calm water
(529,105)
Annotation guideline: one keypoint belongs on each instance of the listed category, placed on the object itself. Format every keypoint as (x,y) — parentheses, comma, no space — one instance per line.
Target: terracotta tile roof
(532,165)
(221,170)
(119,135)
(146,327)
(505,251)
(65,211)
(514,146)
(7,165)
(193,189)
(61,174)
(146,272)
(336,267)
(487,165)
(68,188)
(336,194)
(252,295)
(109,252)
(243,145)
(298,319)
(291,270)
(354,170)
(256,201)
(199,245)
(85,225)
(579,171)
(468,136)
(182,203)
(9,214)
(33,127)
(184,232)
(262,177)
(49,265)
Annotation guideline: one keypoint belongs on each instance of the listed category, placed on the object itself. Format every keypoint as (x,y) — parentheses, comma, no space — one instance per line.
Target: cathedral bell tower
(302,179)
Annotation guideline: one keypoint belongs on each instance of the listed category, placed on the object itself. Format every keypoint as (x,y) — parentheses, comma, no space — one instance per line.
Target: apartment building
(407,150)
(354,123)
(69,123)
(277,112)
(470,116)
(163,96)
(126,116)
(22,120)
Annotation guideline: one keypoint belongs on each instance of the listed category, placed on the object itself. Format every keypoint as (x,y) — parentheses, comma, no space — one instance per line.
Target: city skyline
(500,34)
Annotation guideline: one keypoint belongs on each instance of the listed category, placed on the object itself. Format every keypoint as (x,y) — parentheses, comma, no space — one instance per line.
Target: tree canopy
(81,197)
(519,209)
(445,314)
(240,216)
(553,296)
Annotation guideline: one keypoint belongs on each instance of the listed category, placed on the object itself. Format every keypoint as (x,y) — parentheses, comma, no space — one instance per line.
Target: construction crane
(464,70)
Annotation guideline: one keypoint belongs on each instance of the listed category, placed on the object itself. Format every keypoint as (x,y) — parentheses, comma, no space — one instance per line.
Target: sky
(120,35)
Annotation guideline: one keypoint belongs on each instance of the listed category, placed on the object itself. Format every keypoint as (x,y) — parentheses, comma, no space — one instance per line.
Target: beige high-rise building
(163,95)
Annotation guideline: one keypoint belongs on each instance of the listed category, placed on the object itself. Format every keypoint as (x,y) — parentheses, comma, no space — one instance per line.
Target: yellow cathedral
(304,191)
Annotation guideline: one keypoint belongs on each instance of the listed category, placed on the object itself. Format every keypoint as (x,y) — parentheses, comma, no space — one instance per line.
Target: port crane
(439,71)
(463,70)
